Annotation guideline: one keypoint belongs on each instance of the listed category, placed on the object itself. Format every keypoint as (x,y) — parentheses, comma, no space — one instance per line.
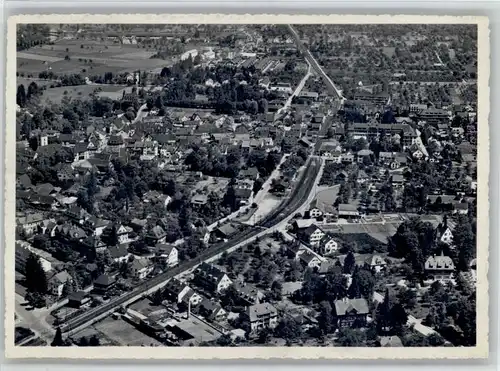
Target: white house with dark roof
(439,268)
(261,316)
(141,268)
(119,253)
(327,246)
(310,260)
(444,234)
(168,254)
(311,235)
(211,278)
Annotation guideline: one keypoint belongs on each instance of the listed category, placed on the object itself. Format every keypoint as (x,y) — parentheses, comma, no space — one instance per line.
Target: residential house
(119,253)
(95,226)
(375,263)
(362,177)
(225,231)
(351,312)
(397,180)
(177,291)
(77,214)
(327,246)
(248,293)
(295,249)
(29,223)
(156,235)
(81,151)
(104,283)
(311,235)
(439,268)
(243,196)
(167,254)
(141,268)
(115,143)
(199,200)
(444,234)
(310,260)
(211,278)
(461,208)
(390,342)
(78,299)
(250,173)
(212,310)
(23,251)
(319,209)
(57,281)
(261,316)
(347,158)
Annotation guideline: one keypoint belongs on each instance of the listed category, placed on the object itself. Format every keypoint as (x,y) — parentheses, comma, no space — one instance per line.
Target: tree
(21,96)
(349,337)
(362,284)
(384,314)
(110,236)
(399,318)
(330,133)
(94,341)
(58,340)
(349,263)
(35,278)
(224,340)
(407,298)
(465,241)
(326,321)
(288,329)
(263,105)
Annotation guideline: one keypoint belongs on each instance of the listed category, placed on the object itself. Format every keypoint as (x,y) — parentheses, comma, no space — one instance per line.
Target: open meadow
(92,56)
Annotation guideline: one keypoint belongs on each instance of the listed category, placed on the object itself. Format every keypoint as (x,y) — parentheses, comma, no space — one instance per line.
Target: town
(246,185)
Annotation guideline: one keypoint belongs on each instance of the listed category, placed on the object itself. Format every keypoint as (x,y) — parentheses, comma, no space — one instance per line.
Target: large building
(261,316)
(351,312)
(434,116)
(312,235)
(211,278)
(371,130)
(439,268)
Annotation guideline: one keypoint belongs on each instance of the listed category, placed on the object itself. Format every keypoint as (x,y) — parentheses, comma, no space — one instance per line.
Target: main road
(315,65)
(299,196)
(299,88)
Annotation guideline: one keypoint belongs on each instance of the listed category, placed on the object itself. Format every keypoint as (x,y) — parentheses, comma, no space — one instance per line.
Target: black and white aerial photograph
(233,185)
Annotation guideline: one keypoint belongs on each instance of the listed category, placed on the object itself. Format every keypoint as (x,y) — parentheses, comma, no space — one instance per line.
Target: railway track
(298,196)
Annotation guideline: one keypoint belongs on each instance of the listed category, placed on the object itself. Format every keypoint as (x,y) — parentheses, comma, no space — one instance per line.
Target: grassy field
(81,91)
(26,82)
(124,333)
(93,57)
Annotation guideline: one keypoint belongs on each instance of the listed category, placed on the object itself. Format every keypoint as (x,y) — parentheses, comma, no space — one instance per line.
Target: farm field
(81,91)
(26,82)
(94,57)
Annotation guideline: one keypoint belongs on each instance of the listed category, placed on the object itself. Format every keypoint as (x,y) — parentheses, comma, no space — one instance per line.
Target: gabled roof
(440,262)
(208,270)
(346,306)
(254,312)
(104,280)
(156,232)
(118,251)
